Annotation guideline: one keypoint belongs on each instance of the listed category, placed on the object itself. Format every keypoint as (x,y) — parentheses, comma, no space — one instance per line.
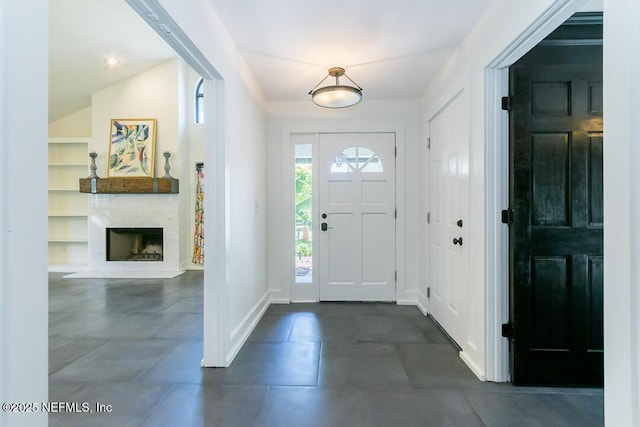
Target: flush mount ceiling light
(336,96)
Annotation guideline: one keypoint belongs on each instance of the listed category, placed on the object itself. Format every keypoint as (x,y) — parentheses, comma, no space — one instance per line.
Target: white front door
(448,204)
(357,217)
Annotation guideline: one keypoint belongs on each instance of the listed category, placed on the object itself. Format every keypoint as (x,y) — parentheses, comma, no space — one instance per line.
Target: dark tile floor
(137,344)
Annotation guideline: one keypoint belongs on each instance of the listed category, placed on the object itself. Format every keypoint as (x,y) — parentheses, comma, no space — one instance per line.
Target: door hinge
(428,143)
(507,330)
(396,213)
(428,217)
(507,103)
(396,275)
(395,151)
(428,292)
(507,216)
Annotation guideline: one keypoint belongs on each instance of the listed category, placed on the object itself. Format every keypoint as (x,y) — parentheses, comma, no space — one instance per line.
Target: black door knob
(459,223)
(324,226)
(457,241)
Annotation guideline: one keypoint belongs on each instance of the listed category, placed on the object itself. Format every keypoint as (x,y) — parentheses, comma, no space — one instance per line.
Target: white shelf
(64,213)
(68,203)
(68,208)
(70,140)
(66,176)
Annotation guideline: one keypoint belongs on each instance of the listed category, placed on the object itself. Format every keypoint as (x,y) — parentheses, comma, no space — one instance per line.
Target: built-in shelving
(68,209)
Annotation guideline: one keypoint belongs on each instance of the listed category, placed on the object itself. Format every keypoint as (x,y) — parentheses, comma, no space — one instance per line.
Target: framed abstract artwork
(132,148)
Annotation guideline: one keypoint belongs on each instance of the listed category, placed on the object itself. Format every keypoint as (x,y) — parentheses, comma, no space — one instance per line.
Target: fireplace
(134,244)
(113,218)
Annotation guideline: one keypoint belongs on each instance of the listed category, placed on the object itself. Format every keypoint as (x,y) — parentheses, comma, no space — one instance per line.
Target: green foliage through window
(303,248)
(303,237)
(303,196)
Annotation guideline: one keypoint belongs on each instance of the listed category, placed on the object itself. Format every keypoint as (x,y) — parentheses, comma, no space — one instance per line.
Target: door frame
(287,292)
(497,183)
(216,296)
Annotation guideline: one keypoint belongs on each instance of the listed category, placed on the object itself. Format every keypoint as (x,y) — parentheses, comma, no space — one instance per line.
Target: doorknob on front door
(459,223)
(457,241)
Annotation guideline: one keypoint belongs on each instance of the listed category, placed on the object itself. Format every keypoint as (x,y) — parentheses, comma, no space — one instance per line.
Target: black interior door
(556,235)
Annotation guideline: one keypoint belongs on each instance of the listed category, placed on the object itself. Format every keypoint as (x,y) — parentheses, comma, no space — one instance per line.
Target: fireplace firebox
(134,244)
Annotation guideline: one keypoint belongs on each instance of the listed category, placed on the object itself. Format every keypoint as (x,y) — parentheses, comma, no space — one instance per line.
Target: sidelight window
(303,214)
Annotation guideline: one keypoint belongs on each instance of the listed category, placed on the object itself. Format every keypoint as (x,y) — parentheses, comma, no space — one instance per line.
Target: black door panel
(556,238)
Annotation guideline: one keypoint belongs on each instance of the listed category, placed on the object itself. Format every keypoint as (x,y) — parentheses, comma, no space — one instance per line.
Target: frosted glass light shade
(336,96)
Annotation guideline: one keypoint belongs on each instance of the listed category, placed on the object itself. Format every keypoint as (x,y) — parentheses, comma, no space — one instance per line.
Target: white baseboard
(423,304)
(474,368)
(240,333)
(277,296)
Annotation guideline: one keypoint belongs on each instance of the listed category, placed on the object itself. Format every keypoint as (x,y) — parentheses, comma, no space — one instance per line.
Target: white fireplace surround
(127,211)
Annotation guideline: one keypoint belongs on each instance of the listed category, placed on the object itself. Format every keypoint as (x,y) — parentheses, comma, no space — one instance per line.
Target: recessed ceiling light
(111,61)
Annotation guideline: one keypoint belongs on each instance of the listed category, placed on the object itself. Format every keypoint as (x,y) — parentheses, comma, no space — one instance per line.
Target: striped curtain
(198,235)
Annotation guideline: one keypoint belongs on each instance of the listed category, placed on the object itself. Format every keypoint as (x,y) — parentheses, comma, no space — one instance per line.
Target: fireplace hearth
(134,244)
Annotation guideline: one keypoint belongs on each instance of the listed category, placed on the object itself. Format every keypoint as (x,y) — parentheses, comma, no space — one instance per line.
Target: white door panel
(374,248)
(340,247)
(357,196)
(448,204)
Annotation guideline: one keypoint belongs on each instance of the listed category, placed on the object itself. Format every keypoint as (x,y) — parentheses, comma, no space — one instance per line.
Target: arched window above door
(357,158)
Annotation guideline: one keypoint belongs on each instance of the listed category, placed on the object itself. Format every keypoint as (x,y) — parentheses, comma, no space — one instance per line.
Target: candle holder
(93,166)
(167,167)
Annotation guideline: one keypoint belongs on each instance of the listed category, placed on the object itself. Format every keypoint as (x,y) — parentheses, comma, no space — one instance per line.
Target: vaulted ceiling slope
(392,49)
(82,33)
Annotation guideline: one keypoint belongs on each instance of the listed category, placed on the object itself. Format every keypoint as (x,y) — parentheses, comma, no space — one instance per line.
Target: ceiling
(391,49)
(82,33)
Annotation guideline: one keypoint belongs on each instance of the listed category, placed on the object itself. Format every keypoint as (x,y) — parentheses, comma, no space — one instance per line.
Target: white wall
(621,212)
(369,116)
(151,94)
(77,124)
(23,212)
(241,126)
